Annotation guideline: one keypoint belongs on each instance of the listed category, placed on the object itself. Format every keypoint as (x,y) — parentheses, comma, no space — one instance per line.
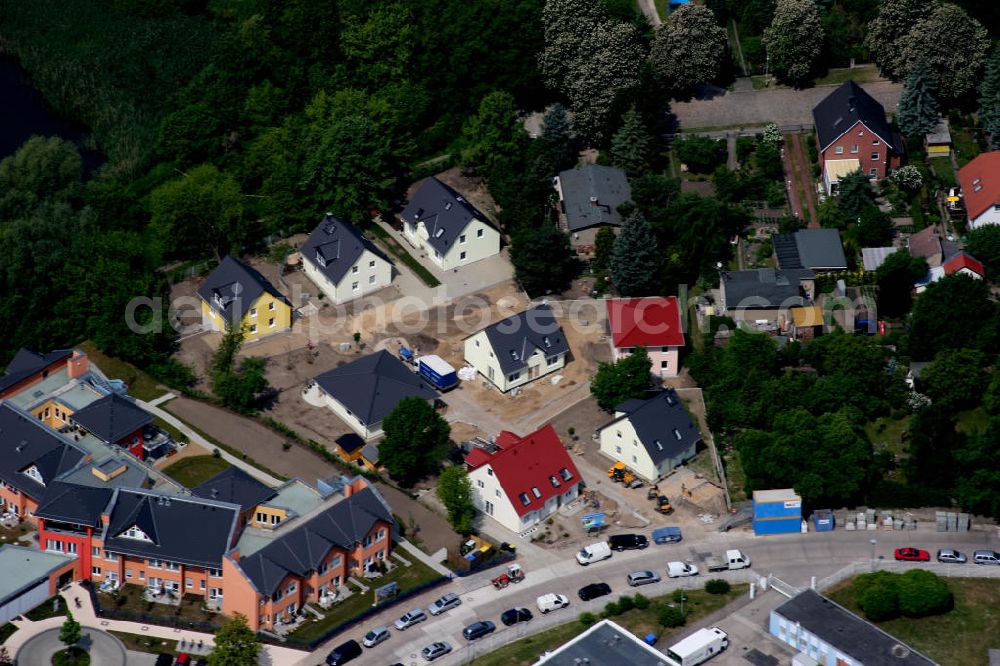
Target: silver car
(445,603)
(950,556)
(375,636)
(637,578)
(435,650)
(415,616)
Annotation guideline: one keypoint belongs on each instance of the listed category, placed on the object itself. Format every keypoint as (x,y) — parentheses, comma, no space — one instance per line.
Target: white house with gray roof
(451,230)
(652,436)
(518,349)
(589,197)
(343,263)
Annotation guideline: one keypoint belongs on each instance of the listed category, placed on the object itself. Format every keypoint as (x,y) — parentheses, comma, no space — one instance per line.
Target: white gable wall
(619,441)
(481,355)
(367,278)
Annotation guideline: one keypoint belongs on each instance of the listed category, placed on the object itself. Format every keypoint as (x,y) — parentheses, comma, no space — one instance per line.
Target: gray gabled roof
(235,486)
(334,246)
(373,385)
(591,195)
(233,287)
(72,503)
(303,549)
(662,423)
(812,249)
(764,288)
(861,640)
(516,338)
(444,212)
(191,530)
(112,417)
(26,363)
(844,107)
(26,442)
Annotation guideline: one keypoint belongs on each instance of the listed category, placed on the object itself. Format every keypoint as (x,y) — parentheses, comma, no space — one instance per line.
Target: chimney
(593,201)
(78,364)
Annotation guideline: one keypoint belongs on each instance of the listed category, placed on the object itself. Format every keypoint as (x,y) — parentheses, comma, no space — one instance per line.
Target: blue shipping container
(776,504)
(823,520)
(777,526)
(438,372)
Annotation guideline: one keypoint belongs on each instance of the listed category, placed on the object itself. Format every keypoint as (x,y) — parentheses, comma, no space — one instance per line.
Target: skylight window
(513,355)
(976,181)
(677,434)
(670,400)
(659,445)
(565,474)
(447,205)
(525,500)
(439,233)
(548,343)
(536,492)
(554,480)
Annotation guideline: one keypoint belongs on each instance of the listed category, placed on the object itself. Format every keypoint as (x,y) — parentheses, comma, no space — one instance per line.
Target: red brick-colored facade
(860,143)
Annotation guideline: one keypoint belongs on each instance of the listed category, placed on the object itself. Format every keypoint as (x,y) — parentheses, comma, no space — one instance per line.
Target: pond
(24,113)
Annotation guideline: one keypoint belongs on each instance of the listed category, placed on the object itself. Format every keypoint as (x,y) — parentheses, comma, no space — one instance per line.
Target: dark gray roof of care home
(516,338)
(812,249)
(764,288)
(233,287)
(25,442)
(235,486)
(592,194)
(303,549)
(444,212)
(373,385)
(72,503)
(845,106)
(192,531)
(860,640)
(112,417)
(334,246)
(662,424)
(26,363)
(606,644)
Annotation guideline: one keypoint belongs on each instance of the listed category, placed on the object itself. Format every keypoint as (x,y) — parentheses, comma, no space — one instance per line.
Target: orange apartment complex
(243,545)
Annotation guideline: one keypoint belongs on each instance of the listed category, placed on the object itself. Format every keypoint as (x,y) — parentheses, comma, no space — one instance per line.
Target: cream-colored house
(519,349)
(343,263)
(651,436)
(451,230)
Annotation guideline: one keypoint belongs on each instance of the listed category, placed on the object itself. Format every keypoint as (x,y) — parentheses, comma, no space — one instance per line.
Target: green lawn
(888,434)
(640,622)
(942,169)
(140,384)
(734,475)
(958,638)
(6,631)
(972,419)
(406,577)
(129,598)
(859,74)
(390,243)
(193,471)
(46,609)
(150,644)
(966,146)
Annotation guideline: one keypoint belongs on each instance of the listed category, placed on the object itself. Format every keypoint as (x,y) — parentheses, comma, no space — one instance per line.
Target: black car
(343,653)
(515,615)
(622,542)
(164,659)
(478,630)
(594,590)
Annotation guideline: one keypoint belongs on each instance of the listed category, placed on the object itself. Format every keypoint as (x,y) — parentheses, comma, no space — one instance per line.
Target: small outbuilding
(776,511)
(938,140)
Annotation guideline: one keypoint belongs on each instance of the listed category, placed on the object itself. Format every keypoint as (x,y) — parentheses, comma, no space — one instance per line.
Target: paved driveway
(104,648)
(756,108)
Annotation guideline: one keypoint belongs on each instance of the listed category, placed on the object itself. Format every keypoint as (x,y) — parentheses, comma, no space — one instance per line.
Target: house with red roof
(980,180)
(653,323)
(521,481)
(964,263)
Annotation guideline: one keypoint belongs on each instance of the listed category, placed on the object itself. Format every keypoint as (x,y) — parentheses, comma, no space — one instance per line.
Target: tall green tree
(70,632)
(604,247)
(689,49)
(200,212)
(855,194)
(956,379)
(933,443)
(794,39)
(952,46)
(237,386)
(896,277)
(416,440)
(544,262)
(917,111)
(622,380)
(455,491)
(493,134)
(979,471)
(953,313)
(379,45)
(989,98)
(43,169)
(635,261)
(874,228)
(631,144)
(886,32)
(557,136)
(984,245)
(235,644)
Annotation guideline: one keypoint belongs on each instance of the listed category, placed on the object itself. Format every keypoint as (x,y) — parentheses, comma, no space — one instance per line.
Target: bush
(625,604)
(717,586)
(876,595)
(611,608)
(670,616)
(587,619)
(679,596)
(700,153)
(921,593)
(641,602)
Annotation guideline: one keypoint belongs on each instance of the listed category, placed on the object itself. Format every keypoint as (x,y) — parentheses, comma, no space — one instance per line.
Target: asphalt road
(104,649)
(793,558)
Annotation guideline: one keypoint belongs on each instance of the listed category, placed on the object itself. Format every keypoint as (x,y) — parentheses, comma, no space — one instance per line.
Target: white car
(681,569)
(551,602)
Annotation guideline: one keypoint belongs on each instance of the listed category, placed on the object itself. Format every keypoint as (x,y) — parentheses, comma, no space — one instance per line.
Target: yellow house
(235,292)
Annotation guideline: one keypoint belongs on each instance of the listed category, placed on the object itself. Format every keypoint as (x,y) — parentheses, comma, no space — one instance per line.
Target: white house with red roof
(521,481)
(653,323)
(962,263)
(980,180)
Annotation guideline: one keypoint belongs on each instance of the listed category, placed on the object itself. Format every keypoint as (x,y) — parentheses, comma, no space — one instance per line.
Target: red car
(912,555)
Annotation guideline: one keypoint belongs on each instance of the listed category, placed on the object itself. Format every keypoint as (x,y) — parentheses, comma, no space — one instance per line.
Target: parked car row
(946,556)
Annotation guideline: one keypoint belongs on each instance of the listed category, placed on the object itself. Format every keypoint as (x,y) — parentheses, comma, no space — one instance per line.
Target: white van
(551,601)
(699,647)
(595,552)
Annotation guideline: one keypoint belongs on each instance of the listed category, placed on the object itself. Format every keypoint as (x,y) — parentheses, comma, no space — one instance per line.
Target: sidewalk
(270,655)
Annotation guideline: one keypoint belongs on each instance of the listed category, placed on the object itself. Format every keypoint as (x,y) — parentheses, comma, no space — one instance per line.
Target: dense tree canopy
(951,45)
(202,208)
(896,277)
(235,644)
(953,313)
(984,245)
(416,440)
(794,39)
(455,491)
(622,380)
(885,34)
(689,49)
(635,260)
(917,112)
(989,97)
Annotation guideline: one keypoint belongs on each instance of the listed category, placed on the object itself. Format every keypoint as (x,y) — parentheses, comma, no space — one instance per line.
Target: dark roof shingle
(516,338)
(112,417)
(444,212)
(235,486)
(25,442)
(844,107)
(764,288)
(335,246)
(233,287)
(26,363)
(591,195)
(662,423)
(72,503)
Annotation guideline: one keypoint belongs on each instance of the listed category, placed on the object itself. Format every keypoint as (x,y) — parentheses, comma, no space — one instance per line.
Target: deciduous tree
(984,245)
(794,39)
(544,262)
(886,31)
(855,194)
(635,261)
(622,380)
(70,632)
(896,277)
(917,111)
(379,44)
(689,48)
(43,169)
(199,212)
(953,313)
(951,44)
(493,134)
(416,440)
(955,379)
(235,644)
(874,228)
(455,491)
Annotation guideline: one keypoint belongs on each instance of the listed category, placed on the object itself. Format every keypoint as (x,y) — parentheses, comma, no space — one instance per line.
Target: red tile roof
(524,465)
(646,322)
(980,181)
(963,260)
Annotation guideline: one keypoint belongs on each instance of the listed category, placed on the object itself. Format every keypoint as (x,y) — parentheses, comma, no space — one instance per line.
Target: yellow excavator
(619,473)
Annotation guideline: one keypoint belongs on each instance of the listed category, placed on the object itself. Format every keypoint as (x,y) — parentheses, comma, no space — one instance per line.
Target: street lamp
(872,561)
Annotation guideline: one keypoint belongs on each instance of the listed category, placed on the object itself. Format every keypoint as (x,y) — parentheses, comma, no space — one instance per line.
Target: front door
(534,371)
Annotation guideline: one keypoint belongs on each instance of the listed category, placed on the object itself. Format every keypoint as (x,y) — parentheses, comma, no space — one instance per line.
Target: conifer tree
(558,138)
(989,98)
(631,143)
(635,261)
(917,111)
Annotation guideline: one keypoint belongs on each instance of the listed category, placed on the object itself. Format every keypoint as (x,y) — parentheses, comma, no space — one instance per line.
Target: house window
(95,551)
(618,433)
(188,583)
(479,482)
(525,500)
(215,573)
(171,566)
(135,532)
(461,256)
(477,343)
(371,264)
(839,150)
(489,508)
(461,239)
(110,557)
(873,172)
(354,270)
(354,286)
(253,312)
(270,306)
(552,360)
(128,573)
(490,472)
(261,517)
(663,365)
(854,148)
(270,322)
(861,132)
(497,491)
(479,233)
(618,449)
(380,535)
(876,142)
(253,328)
(634,460)
(565,474)
(52,544)
(536,492)
(142,575)
(513,377)
(371,279)
(201,584)
(95,571)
